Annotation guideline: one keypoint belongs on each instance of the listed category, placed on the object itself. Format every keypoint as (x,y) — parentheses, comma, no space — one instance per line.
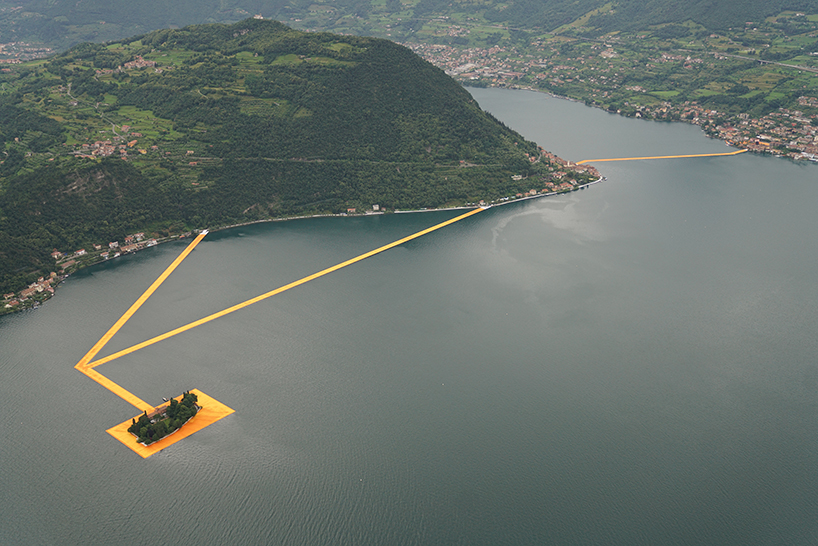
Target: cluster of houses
(18,52)
(560,179)
(554,181)
(790,133)
(105,148)
(810,102)
(503,66)
(376,209)
(573,168)
(132,243)
(138,62)
(687,60)
(43,285)
(100,148)
(551,187)
(469,63)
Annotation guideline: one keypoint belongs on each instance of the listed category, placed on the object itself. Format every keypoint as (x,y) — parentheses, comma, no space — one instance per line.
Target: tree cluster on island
(165,420)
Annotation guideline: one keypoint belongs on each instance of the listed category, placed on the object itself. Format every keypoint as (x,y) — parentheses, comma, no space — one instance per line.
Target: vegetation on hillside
(217,124)
(556,33)
(622,15)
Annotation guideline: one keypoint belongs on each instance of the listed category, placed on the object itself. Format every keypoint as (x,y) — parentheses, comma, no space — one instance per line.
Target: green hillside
(61,24)
(619,15)
(711,14)
(216,124)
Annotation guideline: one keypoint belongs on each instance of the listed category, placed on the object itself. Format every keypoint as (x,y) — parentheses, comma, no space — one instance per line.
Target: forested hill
(208,125)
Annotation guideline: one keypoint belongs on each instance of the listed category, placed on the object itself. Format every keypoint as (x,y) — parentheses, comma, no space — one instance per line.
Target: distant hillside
(62,24)
(632,14)
(711,14)
(215,124)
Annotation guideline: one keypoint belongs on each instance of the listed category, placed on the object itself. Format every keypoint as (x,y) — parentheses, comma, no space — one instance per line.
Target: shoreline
(505,201)
(756,145)
(60,279)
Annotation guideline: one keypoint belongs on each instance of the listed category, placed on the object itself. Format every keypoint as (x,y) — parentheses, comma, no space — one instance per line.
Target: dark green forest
(280,122)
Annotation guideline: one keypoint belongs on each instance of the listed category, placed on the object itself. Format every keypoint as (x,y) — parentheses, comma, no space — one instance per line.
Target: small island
(164,420)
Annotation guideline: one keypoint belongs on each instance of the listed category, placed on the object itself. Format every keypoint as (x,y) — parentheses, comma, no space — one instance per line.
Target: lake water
(634,363)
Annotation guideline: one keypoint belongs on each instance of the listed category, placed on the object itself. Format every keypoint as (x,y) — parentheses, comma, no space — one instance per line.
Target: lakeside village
(784,133)
(596,71)
(42,289)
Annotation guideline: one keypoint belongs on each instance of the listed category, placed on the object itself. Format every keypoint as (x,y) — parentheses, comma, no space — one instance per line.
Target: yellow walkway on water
(85,362)
(284,288)
(212,410)
(658,157)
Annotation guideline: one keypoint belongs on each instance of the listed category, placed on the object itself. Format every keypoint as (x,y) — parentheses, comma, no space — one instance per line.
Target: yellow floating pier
(212,410)
(284,288)
(658,157)
(85,363)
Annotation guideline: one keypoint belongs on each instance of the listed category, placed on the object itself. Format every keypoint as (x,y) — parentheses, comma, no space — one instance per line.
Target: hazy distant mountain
(62,24)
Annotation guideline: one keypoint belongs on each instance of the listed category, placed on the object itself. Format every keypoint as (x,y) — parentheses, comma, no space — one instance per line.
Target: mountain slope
(220,124)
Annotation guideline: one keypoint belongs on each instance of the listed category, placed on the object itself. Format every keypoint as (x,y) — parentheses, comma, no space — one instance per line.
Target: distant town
(17,52)
(787,132)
